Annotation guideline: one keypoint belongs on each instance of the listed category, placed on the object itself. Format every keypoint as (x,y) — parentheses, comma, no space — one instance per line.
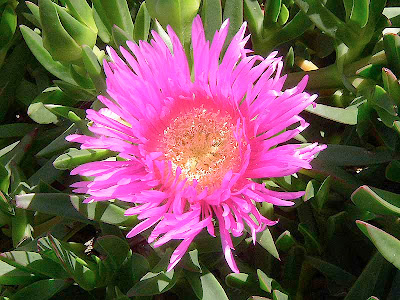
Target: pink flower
(191,141)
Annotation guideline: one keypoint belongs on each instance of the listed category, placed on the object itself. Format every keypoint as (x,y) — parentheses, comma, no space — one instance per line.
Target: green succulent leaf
(386,244)
(267,242)
(325,20)
(114,12)
(272,11)
(377,201)
(285,241)
(180,15)
(41,290)
(357,11)
(391,43)
(75,157)
(241,281)
(81,11)
(266,283)
(233,10)
(8,25)
(114,250)
(392,85)
(76,267)
(56,39)
(11,275)
(142,24)
(205,285)
(93,68)
(155,283)
(311,241)
(34,263)
(341,115)
(35,12)
(35,44)
(81,34)
(331,271)
(393,171)
(278,295)
(211,15)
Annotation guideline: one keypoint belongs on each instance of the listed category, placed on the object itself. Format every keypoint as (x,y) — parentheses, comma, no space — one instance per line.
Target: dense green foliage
(341,241)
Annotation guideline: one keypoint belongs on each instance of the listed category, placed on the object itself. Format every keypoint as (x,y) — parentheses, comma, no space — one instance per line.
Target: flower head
(191,145)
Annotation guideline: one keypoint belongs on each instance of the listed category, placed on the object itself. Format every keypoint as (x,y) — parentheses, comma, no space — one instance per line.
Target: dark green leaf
(77,268)
(331,271)
(368,280)
(342,155)
(104,211)
(54,204)
(41,290)
(322,195)
(8,24)
(114,250)
(393,171)
(311,241)
(272,11)
(391,43)
(11,275)
(155,283)
(285,241)
(233,10)
(211,15)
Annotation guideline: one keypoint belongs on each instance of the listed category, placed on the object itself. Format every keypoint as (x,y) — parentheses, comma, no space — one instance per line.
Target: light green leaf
(38,113)
(267,242)
(11,275)
(278,295)
(341,115)
(142,24)
(75,157)
(205,285)
(377,201)
(266,283)
(360,12)
(56,39)
(35,44)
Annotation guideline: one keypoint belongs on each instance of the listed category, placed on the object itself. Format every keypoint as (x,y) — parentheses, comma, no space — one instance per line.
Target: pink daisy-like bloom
(191,145)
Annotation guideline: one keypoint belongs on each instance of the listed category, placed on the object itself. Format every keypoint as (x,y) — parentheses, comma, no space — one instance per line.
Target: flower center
(201,142)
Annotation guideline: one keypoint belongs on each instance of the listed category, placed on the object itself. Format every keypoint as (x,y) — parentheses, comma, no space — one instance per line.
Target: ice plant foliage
(191,142)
